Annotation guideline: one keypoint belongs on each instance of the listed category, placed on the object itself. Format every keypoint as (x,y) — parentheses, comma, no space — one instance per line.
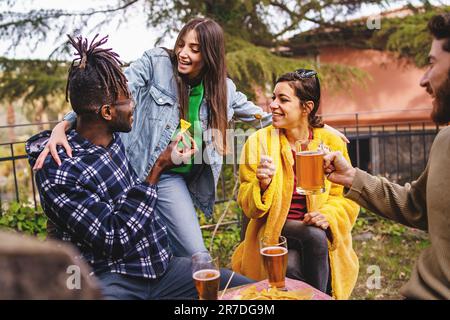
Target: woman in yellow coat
(317,227)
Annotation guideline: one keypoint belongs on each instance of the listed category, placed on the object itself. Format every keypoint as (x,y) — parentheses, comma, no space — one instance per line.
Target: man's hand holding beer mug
(338,170)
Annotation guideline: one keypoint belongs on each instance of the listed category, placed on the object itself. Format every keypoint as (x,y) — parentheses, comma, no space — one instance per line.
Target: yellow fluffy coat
(268,212)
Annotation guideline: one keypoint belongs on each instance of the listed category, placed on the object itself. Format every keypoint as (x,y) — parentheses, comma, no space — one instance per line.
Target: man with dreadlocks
(93,198)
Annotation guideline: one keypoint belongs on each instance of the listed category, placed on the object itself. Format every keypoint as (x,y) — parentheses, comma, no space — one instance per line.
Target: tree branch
(55,14)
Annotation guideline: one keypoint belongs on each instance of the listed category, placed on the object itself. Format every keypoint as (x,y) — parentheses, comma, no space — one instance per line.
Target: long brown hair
(212,47)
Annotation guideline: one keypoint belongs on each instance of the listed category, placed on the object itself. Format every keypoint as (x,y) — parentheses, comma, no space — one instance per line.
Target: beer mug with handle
(309,167)
(274,253)
(206,275)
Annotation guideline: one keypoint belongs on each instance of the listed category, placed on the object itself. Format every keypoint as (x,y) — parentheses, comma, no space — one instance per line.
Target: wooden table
(291,284)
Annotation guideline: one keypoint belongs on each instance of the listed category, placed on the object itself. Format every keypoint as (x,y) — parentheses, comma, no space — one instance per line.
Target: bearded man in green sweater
(425,203)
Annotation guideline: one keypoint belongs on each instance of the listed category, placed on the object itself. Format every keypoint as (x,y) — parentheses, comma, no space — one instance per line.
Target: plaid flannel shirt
(96,202)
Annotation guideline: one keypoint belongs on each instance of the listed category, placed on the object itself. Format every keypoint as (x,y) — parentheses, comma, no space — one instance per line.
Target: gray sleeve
(244,109)
(404,204)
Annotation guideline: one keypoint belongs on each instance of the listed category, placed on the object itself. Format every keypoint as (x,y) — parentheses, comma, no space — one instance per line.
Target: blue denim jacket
(156,117)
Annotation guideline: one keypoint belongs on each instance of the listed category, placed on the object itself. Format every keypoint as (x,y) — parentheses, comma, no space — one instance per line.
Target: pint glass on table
(309,167)
(206,275)
(274,255)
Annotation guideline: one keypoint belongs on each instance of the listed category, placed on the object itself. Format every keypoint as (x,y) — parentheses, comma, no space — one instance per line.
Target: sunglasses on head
(305,73)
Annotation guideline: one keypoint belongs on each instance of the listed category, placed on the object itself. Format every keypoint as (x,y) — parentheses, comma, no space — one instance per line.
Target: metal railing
(13,159)
(397,150)
(16,177)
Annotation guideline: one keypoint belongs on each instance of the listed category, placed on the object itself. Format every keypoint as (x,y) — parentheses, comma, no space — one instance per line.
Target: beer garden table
(291,285)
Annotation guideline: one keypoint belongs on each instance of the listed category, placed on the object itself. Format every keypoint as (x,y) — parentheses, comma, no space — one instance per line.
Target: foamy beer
(275,257)
(309,167)
(207,283)
(206,275)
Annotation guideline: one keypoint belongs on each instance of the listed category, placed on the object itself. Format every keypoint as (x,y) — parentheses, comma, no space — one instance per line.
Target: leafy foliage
(407,35)
(24,218)
(40,83)
(252,26)
(224,243)
(34,26)
(31,79)
(251,65)
(257,21)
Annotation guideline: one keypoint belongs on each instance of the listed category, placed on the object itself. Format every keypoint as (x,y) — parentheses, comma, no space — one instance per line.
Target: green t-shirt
(195,100)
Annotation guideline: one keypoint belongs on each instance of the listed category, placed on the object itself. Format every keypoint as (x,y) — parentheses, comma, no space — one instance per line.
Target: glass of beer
(309,167)
(275,257)
(206,275)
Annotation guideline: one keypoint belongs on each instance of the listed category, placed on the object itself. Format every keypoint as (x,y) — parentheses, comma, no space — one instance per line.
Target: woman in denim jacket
(188,82)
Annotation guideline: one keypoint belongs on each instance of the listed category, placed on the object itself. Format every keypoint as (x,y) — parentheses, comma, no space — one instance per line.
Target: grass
(390,247)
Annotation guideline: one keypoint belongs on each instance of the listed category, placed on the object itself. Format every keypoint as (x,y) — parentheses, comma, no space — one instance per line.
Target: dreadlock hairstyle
(212,47)
(95,76)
